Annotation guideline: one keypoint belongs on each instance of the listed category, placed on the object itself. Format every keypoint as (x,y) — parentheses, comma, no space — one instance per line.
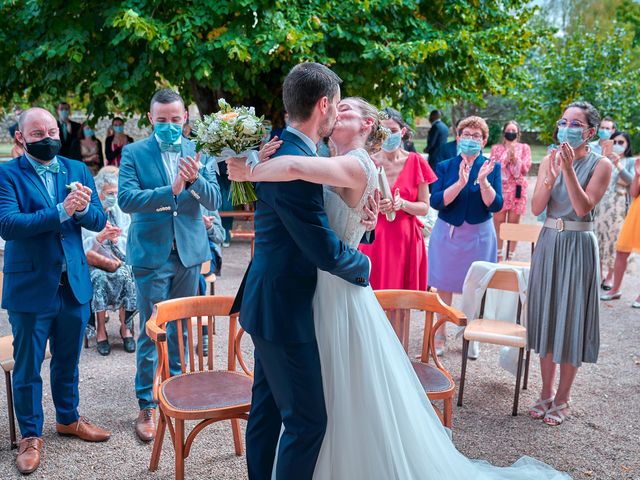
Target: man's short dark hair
(62,104)
(435,114)
(609,119)
(165,96)
(305,84)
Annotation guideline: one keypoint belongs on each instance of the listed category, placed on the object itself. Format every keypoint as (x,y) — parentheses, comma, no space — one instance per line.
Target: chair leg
(157,443)
(448,412)
(525,384)
(178,444)
(12,418)
(518,378)
(465,354)
(237,436)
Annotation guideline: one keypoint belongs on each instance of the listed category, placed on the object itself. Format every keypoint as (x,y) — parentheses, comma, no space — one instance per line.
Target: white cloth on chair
(499,305)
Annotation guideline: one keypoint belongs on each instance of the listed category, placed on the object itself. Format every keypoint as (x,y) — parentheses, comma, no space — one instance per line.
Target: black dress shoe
(605,287)
(129,344)
(103,347)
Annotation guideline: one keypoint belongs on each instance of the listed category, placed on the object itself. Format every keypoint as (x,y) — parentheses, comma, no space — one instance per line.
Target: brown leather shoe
(146,424)
(84,430)
(28,459)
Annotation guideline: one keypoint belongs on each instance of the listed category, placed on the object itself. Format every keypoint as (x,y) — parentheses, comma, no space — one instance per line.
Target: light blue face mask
(470,147)
(64,115)
(604,134)
(88,132)
(572,136)
(109,201)
(392,143)
(168,132)
(118,128)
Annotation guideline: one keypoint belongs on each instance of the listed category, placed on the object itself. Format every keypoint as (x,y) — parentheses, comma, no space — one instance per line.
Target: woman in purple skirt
(467,192)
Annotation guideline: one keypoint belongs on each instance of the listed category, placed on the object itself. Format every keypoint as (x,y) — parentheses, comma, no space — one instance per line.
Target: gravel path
(601,439)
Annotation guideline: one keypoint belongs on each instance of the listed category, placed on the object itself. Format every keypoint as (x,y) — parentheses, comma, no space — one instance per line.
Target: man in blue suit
(162,185)
(436,139)
(46,279)
(293,240)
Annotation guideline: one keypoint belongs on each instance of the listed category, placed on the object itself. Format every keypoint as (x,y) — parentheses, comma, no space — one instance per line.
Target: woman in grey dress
(563,317)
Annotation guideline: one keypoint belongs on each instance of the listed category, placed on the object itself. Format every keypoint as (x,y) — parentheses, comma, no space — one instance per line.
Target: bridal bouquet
(232,132)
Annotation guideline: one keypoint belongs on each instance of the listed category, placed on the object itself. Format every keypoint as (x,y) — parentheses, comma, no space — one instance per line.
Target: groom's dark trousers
(293,240)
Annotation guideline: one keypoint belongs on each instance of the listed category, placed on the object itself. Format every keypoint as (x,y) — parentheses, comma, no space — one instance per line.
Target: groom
(293,240)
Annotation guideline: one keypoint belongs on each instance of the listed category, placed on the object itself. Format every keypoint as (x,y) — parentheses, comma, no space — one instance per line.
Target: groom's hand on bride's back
(269,148)
(370,211)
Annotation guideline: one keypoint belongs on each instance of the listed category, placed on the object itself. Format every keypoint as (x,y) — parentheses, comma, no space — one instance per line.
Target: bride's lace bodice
(343,220)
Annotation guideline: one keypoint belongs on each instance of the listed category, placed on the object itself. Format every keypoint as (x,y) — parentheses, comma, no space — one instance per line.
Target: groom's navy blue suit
(293,240)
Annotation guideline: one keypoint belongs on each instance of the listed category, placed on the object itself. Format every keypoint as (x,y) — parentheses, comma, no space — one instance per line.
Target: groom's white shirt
(312,146)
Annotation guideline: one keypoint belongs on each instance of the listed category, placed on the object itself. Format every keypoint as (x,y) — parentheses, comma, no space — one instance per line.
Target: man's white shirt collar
(312,146)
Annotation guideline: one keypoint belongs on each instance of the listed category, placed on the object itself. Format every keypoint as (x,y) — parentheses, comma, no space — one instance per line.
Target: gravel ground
(600,440)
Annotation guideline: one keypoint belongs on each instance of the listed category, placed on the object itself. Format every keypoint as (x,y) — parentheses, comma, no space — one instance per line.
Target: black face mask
(44,149)
(511,136)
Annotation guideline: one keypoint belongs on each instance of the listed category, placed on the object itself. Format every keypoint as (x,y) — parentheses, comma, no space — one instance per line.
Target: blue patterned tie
(53,167)
(170,147)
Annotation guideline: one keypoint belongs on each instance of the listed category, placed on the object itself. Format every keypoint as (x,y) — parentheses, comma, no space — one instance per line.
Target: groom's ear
(323,105)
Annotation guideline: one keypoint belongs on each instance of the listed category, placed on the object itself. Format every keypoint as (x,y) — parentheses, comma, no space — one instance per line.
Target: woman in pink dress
(515,158)
(398,256)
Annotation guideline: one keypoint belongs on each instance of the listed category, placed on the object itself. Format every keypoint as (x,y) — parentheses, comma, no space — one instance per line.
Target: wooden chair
(6,364)
(199,392)
(498,332)
(437,382)
(519,232)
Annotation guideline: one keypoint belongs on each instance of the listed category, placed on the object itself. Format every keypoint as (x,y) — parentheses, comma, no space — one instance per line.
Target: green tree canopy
(114,55)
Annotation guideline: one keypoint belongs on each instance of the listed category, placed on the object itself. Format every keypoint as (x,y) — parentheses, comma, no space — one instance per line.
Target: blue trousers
(287,390)
(63,324)
(171,280)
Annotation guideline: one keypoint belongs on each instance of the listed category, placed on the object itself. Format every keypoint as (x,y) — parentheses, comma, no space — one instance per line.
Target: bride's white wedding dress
(381,424)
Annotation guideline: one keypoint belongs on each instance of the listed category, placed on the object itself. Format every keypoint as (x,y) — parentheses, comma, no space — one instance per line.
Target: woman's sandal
(555,415)
(540,408)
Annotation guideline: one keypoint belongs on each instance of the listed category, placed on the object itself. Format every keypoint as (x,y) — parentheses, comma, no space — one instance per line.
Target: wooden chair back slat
(179,326)
(428,324)
(504,280)
(211,340)
(182,311)
(520,232)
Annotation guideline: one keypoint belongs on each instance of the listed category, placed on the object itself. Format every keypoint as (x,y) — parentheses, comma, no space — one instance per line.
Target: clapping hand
(486,169)
(567,156)
(463,174)
(77,200)
(110,232)
(269,149)
(189,168)
(554,163)
(371,210)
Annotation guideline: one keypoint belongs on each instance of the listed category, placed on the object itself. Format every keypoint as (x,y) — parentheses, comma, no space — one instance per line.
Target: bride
(381,424)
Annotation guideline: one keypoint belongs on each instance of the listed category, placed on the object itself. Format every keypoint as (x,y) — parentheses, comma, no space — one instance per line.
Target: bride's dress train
(381,424)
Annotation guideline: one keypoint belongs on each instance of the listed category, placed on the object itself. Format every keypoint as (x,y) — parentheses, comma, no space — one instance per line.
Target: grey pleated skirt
(563,297)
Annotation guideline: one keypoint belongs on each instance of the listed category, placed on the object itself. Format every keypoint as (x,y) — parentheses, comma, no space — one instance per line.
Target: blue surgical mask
(88,132)
(63,115)
(392,143)
(118,128)
(109,201)
(604,134)
(572,136)
(619,149)
(470,147)
(168,132)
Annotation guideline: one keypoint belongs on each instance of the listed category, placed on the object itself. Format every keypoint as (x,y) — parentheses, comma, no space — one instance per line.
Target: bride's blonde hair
(378,133)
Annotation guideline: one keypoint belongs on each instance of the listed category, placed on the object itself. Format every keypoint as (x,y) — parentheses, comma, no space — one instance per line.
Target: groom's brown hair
(305,84)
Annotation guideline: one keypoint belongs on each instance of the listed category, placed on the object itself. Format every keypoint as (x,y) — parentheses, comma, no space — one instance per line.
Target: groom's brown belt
(561,225)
